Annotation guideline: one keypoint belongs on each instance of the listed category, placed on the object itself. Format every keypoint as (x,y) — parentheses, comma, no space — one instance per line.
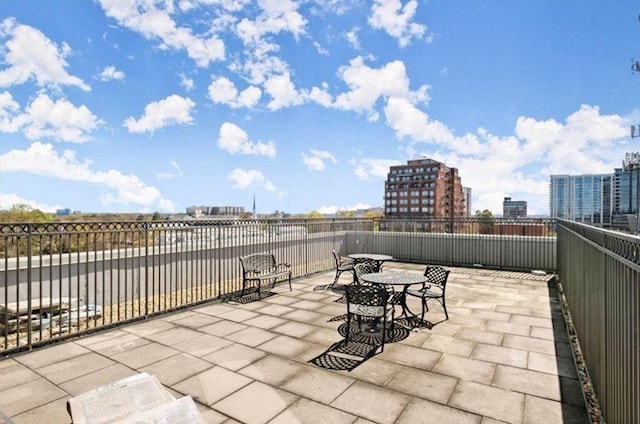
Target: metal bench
(259,267)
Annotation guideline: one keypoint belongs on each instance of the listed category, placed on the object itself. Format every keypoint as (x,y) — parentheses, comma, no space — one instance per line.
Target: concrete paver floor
(503,356)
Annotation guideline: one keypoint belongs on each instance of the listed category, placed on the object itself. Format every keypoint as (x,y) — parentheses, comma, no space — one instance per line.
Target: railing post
(29,288)
(146,269)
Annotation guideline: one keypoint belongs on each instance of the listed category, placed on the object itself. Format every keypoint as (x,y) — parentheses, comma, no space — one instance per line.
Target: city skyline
(142,106)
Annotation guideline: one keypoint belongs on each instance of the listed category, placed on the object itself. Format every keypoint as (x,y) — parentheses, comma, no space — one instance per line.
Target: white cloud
(233,139)
(111,73)
(177,172)
(170,111)
(316,160)
(394,18)
(367,168)
(44,118)
(222,90)
(155,22)
(41,159)
(31,55)
(8,200)
(276,16)
(321,50)
(186,82)
(282,91)
(367,85)
(242,179)
(352,38)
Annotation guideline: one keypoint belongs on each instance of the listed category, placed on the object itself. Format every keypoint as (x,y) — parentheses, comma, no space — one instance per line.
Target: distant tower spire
(254,207)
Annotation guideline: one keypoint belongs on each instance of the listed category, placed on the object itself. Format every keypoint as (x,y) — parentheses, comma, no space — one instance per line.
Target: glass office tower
(584,198)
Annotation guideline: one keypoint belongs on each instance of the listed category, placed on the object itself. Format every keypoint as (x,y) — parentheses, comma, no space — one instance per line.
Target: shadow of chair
(434,288)
(369,303)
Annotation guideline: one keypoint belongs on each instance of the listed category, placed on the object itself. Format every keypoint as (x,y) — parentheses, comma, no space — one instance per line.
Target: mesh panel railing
(600,274)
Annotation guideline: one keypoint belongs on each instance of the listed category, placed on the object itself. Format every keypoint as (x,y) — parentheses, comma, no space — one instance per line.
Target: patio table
(399,279)
(378,259)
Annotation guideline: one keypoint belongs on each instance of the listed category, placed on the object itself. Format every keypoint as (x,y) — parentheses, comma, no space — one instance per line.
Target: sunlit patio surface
(503,356)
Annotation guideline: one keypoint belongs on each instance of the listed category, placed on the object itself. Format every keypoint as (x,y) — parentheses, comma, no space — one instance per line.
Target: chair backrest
(336,257)
(258,262)
(366,296)
(364,268)
(437,275)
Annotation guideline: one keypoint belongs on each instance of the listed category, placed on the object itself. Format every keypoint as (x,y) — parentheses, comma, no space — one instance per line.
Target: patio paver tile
(176,368)
(372,402)
(74,367)
(149,327)
(295,329)
(173,335)
(123,343)
(408,355)
(32,394)
(202,345)
(508,328)
(306,411)
(196,320)
(285,346)
(56,413)
(481,336)
(145,355)
(424,384)
(14,373)
(545,411)
(95,379)
(376,371)
(275,309)
(493,402)
(238,315)
(526,381)
(425,412)
(256,403)
(552,364)
(529,343)
(234,357)
(51,354)
(465,368)
(318,385)
(212,385)
(500,355)
(223,328)
(265,322)
(251,336)
(272,370)
(447,344)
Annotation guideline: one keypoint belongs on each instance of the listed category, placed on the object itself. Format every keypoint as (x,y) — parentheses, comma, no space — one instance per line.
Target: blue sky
(142,106)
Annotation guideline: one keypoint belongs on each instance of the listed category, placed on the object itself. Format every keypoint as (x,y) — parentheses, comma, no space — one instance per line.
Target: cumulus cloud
(111,73)
(367,168)
(128,189)
(315,161)
(242,179)
(352,38)
(276,16)
(222,90)
(174,110)
(367,85)
(186,82)
(519,164)
(394,18)
(44,118)
(8,200)
(154,21)
(233,139)
(29,54)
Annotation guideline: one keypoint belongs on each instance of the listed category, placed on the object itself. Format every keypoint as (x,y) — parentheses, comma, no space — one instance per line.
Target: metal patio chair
(434,288)
(342,265)
(371,304)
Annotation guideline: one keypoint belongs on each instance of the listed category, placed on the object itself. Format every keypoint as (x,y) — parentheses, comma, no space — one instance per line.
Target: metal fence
(600,274)
(59,279)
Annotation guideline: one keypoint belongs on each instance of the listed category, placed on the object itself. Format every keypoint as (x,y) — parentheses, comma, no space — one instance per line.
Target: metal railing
(600,274)
(60,279)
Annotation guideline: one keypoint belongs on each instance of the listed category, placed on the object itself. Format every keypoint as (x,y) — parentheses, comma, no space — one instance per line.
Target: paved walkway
(503,356)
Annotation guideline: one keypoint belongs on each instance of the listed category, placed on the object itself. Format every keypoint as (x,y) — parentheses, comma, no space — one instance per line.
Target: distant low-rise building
(200,211)
(514,208)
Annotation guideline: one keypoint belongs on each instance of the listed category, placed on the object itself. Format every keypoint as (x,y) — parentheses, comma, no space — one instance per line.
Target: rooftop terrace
(503,356)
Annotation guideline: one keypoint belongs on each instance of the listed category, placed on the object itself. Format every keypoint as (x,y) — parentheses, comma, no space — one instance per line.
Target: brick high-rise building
(424,188)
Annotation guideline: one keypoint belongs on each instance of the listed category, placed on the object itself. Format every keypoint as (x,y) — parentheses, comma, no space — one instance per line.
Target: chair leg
(346,339)
(444,306)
